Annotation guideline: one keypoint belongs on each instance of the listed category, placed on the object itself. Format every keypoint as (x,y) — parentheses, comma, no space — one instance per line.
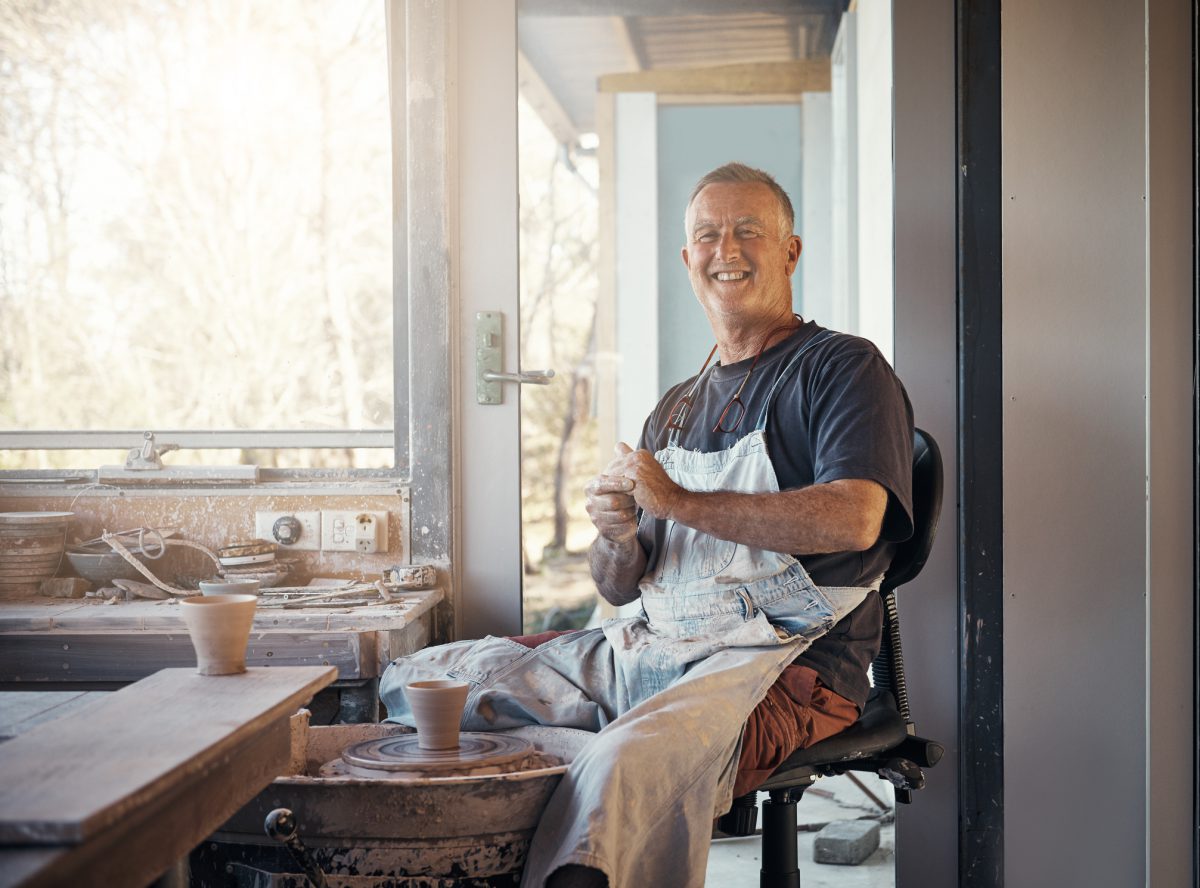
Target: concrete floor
(734,863)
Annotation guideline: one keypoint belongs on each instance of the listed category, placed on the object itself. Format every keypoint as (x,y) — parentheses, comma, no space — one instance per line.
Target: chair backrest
(912,554)
(887,669)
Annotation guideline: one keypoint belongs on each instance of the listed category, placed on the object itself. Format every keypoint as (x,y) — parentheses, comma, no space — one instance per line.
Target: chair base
(780,859)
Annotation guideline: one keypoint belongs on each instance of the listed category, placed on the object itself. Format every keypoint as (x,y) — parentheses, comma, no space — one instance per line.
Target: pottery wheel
(402,753)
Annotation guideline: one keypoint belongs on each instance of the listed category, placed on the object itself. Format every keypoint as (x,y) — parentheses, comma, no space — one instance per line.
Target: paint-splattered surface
(216,518)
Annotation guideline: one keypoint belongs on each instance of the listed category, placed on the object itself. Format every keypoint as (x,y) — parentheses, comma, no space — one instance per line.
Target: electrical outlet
(268,526)
(354,531)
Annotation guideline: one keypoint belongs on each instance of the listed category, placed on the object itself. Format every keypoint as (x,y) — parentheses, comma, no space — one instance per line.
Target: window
(195,232)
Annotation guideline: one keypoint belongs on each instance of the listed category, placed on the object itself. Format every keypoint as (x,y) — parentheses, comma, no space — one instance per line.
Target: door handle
(529,377)
(489,361)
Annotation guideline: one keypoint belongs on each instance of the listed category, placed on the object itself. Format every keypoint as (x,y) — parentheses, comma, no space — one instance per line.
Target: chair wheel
(742,817)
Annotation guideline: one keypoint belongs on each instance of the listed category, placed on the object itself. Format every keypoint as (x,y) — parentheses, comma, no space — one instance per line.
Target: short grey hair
(739,172)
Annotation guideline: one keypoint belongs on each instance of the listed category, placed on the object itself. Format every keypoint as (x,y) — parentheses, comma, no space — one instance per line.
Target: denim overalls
(669,690)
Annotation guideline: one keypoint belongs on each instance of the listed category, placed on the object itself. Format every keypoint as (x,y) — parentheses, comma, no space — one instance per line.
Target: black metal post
(1196,443)
(980,405)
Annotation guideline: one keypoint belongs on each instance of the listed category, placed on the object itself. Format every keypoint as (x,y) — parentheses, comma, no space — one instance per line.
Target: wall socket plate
(310,529)
(360,530)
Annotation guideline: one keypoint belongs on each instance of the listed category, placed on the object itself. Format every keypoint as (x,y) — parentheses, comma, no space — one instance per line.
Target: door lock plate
(489,355)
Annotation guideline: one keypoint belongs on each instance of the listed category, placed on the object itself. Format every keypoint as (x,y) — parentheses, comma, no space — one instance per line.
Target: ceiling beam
(542,99)
(758,78)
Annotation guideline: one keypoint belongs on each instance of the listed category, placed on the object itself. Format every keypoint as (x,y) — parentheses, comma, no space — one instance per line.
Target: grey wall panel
(693,139)
(927,830)
(1074,442)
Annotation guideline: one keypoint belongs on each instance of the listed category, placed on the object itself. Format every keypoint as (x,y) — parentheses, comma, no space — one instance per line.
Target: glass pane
(559,279)
(195,215)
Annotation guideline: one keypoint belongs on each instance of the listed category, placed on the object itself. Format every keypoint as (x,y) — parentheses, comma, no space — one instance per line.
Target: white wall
(844,176)
(874,190)
(636,172)
(815,225)
(1090,338)
(862,200)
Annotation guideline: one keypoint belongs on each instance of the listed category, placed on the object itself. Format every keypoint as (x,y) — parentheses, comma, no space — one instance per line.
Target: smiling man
(753,524)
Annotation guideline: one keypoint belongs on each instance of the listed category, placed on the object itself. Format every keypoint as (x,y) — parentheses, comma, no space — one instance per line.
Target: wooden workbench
(88,642)
(117,789)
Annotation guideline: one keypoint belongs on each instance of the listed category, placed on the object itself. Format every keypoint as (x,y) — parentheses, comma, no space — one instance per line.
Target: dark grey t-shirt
(842,413)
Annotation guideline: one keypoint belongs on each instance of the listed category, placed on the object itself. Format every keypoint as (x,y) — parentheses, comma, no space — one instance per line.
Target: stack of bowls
(31,549)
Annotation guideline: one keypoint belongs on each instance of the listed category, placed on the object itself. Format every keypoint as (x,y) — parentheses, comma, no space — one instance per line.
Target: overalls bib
(669,690)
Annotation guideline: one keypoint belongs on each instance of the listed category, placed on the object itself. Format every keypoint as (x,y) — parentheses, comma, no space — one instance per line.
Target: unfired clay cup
(230,587)
(437,708)
(219,626)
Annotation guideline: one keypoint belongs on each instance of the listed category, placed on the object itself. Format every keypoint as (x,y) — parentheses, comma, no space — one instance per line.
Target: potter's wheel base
(400,757)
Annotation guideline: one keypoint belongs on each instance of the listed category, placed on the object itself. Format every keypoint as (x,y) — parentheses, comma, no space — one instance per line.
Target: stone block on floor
(846,842)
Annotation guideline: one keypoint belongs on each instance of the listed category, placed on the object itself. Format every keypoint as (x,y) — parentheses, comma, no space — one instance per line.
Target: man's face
(738,257)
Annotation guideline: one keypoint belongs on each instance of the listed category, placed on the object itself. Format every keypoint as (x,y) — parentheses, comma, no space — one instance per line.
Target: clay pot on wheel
(219,626)
(437,708)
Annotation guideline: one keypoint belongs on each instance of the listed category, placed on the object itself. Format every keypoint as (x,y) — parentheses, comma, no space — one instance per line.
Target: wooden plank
(401,642)
(34,614)
(131,656)
(23,710)
(753,78)
(146,842)
(93,615)
(69,780)
(727,99)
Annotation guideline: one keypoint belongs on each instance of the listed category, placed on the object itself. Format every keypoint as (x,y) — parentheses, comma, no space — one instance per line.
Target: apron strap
(785,373)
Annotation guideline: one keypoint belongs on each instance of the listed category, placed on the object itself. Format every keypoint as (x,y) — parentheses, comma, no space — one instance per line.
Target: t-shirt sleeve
(860,426)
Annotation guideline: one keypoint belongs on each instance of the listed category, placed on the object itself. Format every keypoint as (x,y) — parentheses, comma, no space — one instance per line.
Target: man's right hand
(610,503)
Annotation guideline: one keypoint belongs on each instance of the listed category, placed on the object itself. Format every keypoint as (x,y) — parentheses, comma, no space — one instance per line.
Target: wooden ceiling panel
(571,45)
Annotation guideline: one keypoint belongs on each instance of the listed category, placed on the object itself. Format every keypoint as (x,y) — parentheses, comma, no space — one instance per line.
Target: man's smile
(731,275)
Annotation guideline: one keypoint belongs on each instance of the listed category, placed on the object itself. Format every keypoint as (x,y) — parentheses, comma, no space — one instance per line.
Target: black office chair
(884,739)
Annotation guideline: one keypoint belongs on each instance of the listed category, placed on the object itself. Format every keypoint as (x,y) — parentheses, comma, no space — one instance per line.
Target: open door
(487,492)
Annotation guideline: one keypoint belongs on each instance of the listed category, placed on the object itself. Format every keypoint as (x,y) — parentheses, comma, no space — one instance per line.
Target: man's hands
(617,559)
(633,479)
(835,516)
(610,502)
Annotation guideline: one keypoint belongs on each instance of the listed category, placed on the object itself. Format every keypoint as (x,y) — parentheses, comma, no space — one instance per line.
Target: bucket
(31,549)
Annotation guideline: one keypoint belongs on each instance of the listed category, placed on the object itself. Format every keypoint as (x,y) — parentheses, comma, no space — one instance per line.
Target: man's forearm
(616,568)
(840,516)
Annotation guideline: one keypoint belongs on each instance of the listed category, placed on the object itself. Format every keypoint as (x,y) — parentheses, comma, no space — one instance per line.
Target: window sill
(271,482)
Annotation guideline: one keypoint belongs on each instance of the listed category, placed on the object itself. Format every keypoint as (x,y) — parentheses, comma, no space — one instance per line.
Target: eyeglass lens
(731,416)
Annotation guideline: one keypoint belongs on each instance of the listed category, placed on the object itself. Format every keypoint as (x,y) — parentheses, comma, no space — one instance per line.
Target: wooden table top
(120,787)
(70,777)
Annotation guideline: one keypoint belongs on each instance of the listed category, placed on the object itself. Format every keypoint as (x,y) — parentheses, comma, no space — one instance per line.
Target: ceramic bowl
(229,587)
